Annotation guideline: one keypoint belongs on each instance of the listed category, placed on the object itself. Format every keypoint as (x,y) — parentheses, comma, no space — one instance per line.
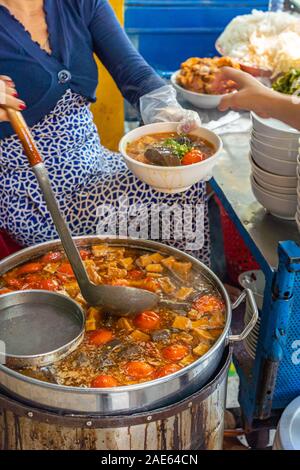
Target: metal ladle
(119,301)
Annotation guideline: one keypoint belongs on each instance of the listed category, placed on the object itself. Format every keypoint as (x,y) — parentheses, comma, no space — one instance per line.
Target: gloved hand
(161,105)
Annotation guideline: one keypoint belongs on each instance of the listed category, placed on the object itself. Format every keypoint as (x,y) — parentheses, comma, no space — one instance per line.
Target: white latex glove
(161,105)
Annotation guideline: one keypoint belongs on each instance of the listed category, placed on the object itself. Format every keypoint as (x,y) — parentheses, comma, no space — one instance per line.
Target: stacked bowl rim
(274,165)
(273,178)
(275,194)
(274,188)
(279,153)
(276,205)
(273,127)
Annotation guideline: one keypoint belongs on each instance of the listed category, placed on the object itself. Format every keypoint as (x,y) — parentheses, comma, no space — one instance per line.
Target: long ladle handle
(37,164)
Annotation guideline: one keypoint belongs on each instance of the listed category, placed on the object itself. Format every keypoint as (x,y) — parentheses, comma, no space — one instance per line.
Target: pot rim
(146,244)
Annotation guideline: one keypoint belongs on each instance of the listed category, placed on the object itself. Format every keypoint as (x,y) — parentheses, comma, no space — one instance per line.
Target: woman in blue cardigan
(48,71)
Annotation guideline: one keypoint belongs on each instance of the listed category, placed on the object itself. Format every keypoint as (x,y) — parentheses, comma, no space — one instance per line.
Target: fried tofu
(154,268)
(116,273)
(201,349)
(204,334)
(182,323)
(126,263)
(168,262)
(166,285)
(184,293)
(91,269)
(182,269)
(124,324)
(139,336)
(146,260)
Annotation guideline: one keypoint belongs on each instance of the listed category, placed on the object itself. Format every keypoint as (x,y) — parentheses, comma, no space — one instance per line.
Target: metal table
(271,380)
(232,183)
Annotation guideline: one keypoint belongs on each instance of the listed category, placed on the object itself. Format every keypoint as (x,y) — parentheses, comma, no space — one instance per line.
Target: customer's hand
(251,95)
(9,97)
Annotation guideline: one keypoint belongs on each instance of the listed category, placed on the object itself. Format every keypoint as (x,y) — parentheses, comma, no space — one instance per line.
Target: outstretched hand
(251,95)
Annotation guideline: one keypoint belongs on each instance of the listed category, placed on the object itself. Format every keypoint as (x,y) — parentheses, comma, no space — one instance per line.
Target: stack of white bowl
(274,150)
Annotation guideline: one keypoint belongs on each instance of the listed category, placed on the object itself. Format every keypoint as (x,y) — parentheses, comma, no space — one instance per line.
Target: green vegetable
(289,83)
(177,149)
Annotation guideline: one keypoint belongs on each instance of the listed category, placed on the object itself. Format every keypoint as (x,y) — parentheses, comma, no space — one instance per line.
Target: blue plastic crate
(288,379)
(168,32)
(142,3)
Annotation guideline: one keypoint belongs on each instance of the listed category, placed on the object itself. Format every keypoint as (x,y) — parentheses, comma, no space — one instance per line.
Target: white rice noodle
(267,40)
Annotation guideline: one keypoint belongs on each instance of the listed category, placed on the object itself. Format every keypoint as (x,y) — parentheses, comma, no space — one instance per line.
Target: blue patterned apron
(85,176)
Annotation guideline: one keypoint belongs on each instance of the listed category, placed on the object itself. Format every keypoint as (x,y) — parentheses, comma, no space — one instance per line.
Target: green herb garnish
(177,149)
(289,83)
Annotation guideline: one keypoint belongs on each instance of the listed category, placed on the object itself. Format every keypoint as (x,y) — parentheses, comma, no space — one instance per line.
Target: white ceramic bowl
(273,127)
(278,206)
(273,165)
(273,192)
(199,100)
(272,188)
(271,178)
(174,179)
(291,143)
(280,153)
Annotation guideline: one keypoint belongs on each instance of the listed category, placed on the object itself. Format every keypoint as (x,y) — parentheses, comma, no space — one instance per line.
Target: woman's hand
(189,121)
(251,95)
(161,105)
(9,97)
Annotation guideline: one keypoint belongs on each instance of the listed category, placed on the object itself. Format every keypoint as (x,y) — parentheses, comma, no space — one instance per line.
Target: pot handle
(246,294)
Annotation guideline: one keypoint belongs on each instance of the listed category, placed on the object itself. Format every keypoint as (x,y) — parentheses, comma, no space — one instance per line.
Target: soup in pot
(124,351)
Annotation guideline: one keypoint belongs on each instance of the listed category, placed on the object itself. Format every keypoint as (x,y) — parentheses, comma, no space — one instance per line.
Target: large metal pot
(195,423)
(146,396)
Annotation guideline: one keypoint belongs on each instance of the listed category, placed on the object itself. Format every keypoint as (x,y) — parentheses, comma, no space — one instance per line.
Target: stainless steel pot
(195,423)
(127,399)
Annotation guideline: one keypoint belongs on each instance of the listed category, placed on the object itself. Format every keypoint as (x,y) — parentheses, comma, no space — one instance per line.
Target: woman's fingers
(3,115)
(14,103)
(9,95)
(7,80)
(189,122)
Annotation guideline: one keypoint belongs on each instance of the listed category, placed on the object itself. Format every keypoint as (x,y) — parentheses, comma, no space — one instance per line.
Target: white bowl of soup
(170,163)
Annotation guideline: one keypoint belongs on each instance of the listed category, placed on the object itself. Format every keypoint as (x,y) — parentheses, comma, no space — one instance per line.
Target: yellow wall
(109,109)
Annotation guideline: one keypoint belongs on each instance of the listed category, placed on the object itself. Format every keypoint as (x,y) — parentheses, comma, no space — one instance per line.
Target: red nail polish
(16,94)
(22,107)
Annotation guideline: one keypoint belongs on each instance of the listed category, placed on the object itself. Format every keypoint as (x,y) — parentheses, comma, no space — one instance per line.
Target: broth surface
(126,351)
(173,149)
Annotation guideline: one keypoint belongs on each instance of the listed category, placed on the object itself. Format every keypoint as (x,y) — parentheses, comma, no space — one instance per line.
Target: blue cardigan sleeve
(130,71)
